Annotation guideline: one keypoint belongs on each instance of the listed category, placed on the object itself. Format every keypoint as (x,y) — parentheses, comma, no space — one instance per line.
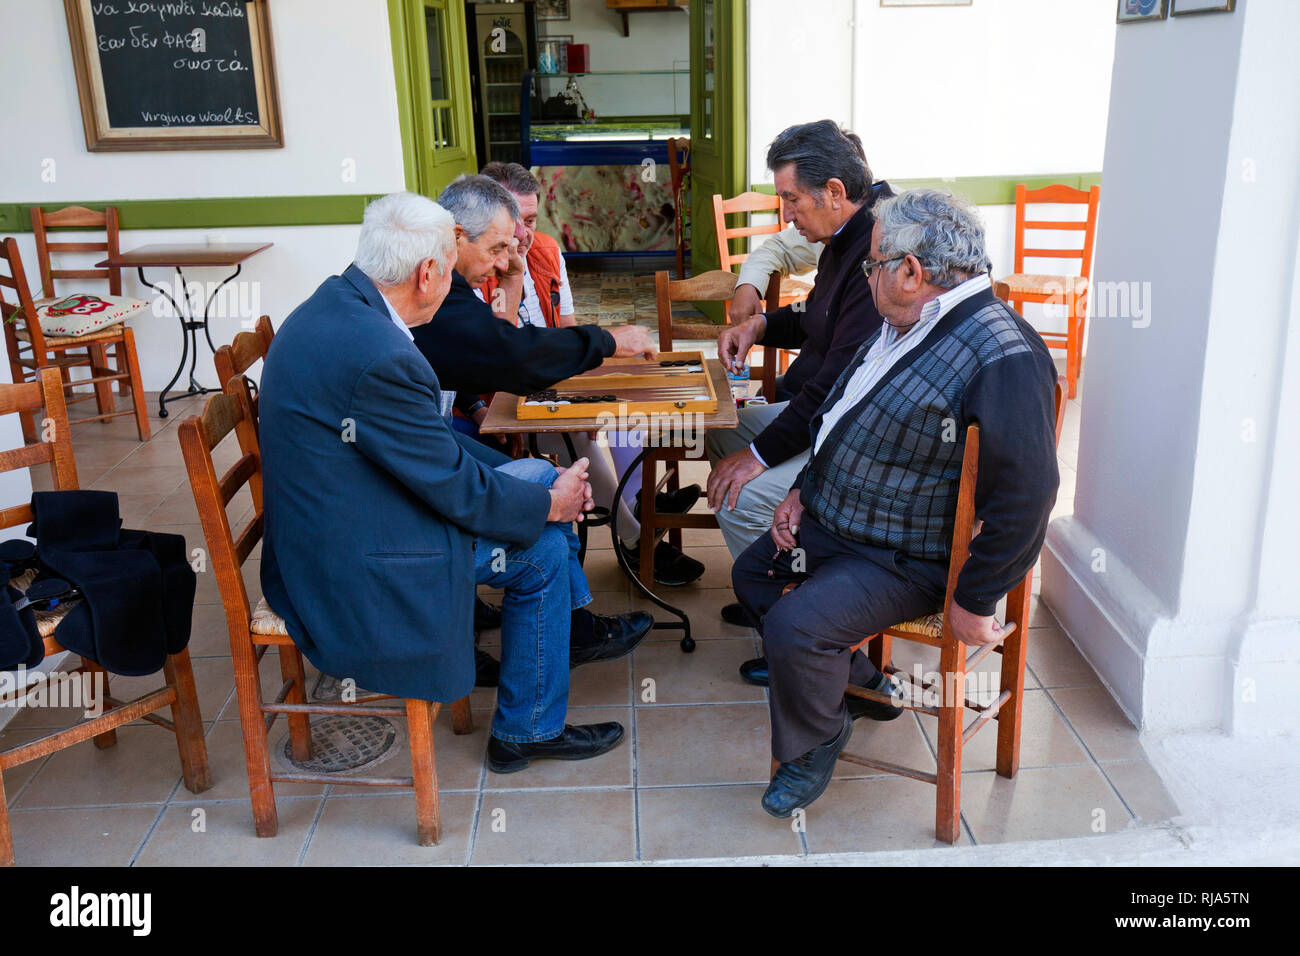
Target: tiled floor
(685,783)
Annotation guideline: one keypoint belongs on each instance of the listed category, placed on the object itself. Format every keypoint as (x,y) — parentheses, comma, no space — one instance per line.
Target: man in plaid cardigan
(867,527)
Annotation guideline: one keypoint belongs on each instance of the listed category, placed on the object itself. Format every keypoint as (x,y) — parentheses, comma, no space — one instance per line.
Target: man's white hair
(398,232)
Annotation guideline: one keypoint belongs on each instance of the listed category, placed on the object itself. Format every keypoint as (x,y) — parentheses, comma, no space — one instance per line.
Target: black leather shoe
(860,707)
(800,781)
(736,615)
(487,672)
(672,567)
(754,672)
(672,502)
(487,617)
(575,743)
(609,638)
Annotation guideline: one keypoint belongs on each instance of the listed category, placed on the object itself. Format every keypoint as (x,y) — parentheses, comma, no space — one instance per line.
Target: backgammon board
(676,382)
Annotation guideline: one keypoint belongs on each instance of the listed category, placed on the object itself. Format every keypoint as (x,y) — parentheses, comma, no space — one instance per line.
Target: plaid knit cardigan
(888,472)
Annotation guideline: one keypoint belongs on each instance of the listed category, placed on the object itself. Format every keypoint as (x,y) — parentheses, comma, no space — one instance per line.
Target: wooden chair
(254,630)
(243,353)
(679,166)
(954,663)
(1072,291)
(791,289)
(178,693)
(120,337)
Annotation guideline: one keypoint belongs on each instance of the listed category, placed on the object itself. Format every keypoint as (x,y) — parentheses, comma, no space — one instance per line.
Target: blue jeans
(543,583)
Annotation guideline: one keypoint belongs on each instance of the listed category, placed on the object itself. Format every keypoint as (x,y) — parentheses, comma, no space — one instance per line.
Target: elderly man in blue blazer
(380,519)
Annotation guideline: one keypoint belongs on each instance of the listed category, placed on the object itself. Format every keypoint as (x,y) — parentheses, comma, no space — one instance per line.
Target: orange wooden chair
(31,349)
(127,370)
(179,691)
(791,289)
(247,349)
(254,630)
(1071,291)
(679,167)
(950,701)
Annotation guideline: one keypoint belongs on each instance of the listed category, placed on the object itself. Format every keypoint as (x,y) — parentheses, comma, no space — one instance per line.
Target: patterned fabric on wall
(605,208)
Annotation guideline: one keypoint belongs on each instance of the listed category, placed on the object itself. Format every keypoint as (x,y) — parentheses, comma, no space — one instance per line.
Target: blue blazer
(372,502)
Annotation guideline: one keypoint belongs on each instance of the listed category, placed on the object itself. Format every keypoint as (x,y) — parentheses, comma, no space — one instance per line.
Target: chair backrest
(746,203)
(1057,194)
(243,353)
(227,550)
(967,522)
(23,312)
(54,446)
(75,217)
(715,286)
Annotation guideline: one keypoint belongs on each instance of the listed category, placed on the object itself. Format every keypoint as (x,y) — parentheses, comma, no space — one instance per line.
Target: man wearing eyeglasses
(867,527)
(826,186)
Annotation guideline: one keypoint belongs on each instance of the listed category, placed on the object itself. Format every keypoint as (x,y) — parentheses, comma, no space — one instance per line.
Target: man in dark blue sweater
(867,527)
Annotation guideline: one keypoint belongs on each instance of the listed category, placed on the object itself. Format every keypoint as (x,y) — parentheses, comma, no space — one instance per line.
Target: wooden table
(175,255)
(501,419)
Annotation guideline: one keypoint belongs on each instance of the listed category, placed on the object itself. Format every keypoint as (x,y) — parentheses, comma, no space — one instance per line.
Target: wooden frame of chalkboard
(175,74)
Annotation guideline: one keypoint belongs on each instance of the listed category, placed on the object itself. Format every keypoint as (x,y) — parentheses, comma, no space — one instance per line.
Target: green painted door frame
(437,134)
(719,132)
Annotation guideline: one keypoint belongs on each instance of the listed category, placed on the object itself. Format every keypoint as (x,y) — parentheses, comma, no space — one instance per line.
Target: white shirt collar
(397,319)
(941,306)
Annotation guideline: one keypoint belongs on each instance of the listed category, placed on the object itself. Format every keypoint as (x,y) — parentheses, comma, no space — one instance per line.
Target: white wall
(658,40)
(338,101)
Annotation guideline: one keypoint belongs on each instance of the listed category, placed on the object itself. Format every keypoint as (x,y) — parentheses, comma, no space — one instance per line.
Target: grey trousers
(752,516)
(849,591)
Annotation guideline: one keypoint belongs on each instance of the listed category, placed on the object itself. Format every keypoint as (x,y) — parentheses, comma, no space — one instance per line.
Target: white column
(1177,576)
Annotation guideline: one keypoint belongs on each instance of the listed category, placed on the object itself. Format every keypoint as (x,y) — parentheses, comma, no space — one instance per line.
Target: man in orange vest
(540,295)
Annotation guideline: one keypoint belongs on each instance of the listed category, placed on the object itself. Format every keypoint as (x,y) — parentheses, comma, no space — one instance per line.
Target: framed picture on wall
(1183,8)
(1136,11)
(552,9)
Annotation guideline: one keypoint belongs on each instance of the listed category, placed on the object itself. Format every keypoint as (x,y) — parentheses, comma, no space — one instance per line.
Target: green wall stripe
(347,210)
(210,213)
(983,190)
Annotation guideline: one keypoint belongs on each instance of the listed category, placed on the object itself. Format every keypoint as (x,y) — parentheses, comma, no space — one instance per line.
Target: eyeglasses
(868,266)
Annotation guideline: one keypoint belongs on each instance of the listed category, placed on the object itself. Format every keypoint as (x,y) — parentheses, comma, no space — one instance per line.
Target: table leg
(189,333)
(688,643)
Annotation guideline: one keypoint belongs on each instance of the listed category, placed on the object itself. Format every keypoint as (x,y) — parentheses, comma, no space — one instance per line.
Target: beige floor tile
(612,769)
(1056,662)
(104,453)
(602,684)
(358,830)
(695,538)
(87,475)
(704,743)
(162,452)
(135,509)
(209,636)
(225,745)
(1102,726)
(897,741)
(1045,739)
(1047,803)
(602,570)
(880,813)
(555,827)
(214,679)
(1142,789)
(177,508)
(1040,615)
(143,767)
(708,674)
(17,777)
(702,606)
(222,834)
(692,822)
(717,571)
(80,838)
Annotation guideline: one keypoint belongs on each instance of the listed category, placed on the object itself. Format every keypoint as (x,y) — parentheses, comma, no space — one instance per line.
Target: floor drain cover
(344,744)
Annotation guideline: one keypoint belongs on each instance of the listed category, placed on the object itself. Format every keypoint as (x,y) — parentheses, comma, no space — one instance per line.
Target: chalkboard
(174,74)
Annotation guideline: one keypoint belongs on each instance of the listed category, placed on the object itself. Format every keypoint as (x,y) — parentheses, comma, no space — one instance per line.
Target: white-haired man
(380,520)
(873,511)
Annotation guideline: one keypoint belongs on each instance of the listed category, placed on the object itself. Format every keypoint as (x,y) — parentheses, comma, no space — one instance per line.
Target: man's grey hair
(942,231)
(475,200)
(398,232)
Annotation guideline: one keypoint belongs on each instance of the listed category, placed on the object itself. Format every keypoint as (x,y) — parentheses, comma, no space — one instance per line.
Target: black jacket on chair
(137,586)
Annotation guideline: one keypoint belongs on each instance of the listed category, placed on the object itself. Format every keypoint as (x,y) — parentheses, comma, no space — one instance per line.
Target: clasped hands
(571,494)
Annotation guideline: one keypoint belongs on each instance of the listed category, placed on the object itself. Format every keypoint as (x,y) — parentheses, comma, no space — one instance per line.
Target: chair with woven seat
(45,396)
(746,204)
(253,631)
(119,337)
(954,663)
(247,349)
(1071,291)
